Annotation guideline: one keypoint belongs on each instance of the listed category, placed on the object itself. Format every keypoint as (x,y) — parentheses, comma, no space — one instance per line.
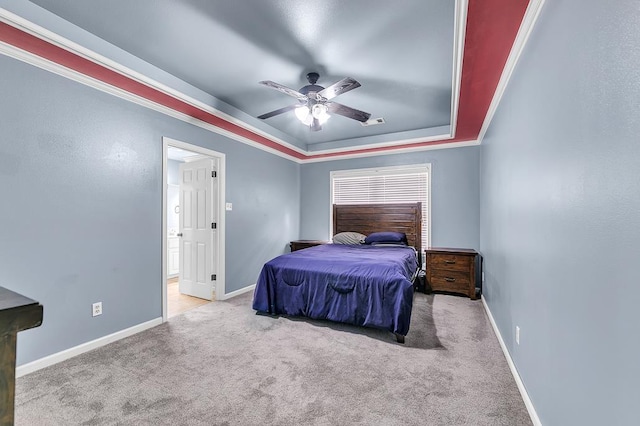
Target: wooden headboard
(368,218)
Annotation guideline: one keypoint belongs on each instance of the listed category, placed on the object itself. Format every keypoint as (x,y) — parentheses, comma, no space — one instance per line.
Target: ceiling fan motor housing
(315,101)
(311,88)
(312,77)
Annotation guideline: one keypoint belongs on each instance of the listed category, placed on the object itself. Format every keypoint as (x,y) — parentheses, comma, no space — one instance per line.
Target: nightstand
(303,244)
(453,270)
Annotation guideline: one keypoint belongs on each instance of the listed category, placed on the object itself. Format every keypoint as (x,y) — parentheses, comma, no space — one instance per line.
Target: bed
(364,285)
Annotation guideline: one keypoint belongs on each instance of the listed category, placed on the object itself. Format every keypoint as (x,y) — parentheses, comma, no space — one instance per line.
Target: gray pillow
(349,238)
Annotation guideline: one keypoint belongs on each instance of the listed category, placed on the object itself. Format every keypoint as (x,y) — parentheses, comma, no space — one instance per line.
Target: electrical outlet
(517,335)
(228,206)
(97,309)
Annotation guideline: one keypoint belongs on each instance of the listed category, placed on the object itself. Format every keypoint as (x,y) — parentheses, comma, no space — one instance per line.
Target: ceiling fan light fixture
(304,115)
(319,112)
(313,107)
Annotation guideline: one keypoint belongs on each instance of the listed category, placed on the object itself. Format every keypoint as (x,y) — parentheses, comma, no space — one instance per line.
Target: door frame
(219,262)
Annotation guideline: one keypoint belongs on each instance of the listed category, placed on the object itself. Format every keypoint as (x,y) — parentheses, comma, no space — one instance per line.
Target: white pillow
(349,238)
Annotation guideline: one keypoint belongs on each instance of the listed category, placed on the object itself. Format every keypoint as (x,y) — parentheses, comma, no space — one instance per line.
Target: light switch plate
(229,206)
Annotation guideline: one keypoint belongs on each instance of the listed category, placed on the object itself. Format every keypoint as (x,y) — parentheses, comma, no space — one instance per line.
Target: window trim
(387,170)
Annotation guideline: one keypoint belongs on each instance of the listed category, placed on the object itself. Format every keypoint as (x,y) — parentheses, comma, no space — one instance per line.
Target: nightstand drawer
(450,262)
(449,280)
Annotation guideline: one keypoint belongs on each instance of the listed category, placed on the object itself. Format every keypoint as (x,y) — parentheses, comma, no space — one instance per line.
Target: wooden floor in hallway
(178,303)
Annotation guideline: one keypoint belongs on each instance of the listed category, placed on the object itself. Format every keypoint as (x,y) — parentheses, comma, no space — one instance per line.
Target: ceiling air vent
(373,122)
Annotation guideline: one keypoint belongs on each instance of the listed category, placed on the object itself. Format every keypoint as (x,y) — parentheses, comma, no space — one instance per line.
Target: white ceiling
(401,53)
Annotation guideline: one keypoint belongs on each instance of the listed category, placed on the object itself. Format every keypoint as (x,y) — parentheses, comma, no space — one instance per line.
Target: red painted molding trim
(39,47)
(492,26)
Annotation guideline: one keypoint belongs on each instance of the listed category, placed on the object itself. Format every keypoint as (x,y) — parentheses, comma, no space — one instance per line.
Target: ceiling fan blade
(348,112)
(339,88)
(278,111)
(315,125)
(284,89)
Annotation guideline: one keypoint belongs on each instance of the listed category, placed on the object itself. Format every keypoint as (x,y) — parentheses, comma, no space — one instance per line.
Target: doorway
(193,227)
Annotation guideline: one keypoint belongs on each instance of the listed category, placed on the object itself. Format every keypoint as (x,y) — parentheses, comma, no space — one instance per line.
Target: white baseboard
(84,347)
(237,292)
(523,391)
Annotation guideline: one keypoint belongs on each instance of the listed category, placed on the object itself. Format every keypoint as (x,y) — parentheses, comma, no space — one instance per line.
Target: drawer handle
(449,262)
(449,279)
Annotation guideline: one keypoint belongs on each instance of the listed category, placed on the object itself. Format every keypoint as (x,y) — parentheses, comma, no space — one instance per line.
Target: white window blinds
(383,186)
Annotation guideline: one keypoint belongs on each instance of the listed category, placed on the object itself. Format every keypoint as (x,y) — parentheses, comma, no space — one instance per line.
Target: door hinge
(214,174)
(213,277)
(214,225)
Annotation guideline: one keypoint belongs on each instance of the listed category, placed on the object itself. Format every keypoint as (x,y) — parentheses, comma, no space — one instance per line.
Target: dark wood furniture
(303,244)
(368,218)
(17,313)
(453,270)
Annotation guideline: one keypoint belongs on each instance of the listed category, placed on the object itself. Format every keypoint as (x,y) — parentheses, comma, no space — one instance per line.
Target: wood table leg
(7,376)
(17,313)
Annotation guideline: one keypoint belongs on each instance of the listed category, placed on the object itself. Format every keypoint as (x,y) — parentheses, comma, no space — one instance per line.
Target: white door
(197,228)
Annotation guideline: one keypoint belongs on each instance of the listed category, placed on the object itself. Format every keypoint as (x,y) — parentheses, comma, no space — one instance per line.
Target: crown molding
(528,22)
(35,45)
(460,30)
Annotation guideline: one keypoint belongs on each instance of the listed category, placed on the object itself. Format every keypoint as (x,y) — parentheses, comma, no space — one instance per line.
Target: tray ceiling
(404,56)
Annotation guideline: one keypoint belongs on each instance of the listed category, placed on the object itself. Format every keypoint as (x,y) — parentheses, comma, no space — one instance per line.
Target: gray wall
(454,193)
(560,213)
(80,183)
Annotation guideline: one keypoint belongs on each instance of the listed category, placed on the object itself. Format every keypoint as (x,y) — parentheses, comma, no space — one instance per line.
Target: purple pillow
(386,237)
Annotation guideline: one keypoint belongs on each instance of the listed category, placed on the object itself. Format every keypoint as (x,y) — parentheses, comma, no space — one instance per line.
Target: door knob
(179,235)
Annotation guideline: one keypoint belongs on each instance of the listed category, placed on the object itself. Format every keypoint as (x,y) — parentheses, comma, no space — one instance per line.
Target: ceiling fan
(314,102)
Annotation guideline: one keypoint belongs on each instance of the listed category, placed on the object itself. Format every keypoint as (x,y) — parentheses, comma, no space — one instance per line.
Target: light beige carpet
(221,364)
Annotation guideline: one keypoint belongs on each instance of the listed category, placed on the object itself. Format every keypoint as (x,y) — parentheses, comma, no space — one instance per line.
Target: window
(401,184)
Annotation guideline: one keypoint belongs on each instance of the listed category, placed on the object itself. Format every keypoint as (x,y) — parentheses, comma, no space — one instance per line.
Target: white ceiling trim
(443,137)
(350,152)
(460,31)
(528,22)
(442,145)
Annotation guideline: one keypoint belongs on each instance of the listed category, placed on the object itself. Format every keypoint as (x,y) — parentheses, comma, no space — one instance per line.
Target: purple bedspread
(362,285)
